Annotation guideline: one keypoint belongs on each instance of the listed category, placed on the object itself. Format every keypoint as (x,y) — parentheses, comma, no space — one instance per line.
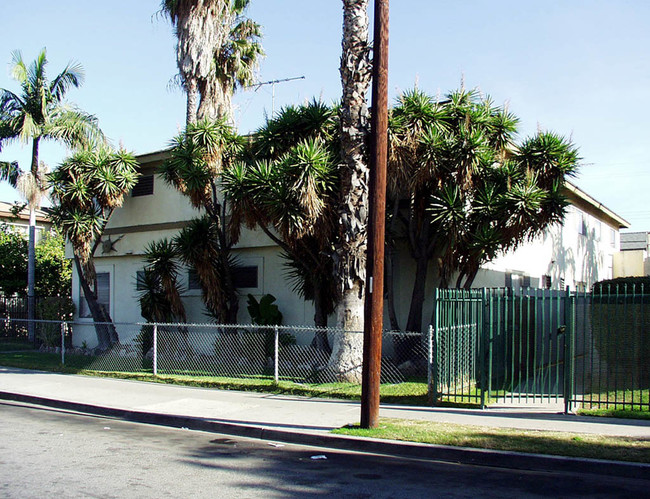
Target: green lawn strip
(10,346)
(622,404)
(507,439)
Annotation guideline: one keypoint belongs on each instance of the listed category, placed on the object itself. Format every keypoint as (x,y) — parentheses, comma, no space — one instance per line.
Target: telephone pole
(374,302)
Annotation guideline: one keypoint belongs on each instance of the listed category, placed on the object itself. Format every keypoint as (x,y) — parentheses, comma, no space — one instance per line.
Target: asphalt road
(46,452)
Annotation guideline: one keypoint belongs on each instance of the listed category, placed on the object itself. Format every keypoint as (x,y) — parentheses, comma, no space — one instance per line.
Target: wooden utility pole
(374,304)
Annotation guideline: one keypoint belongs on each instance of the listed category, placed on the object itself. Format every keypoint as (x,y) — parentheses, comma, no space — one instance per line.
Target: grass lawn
(10,346)
(623,404)
(483,437)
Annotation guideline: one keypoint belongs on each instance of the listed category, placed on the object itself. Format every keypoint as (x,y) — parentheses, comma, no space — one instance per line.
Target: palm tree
(87,188)
(39,113)
(350,264)
(235,63)
(218,50)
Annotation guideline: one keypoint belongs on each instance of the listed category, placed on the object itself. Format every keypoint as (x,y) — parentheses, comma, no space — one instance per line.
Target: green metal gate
(533,345)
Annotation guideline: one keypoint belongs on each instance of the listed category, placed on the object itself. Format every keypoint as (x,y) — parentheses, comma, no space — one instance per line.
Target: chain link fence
(299,354)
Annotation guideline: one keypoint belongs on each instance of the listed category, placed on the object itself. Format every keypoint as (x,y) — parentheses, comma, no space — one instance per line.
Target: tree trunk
(405,346)
(320,340)
(104,327)
(192,93)
(390,286)
(346,360)
(350,251)
(414,322)
(31,250)
(31,275)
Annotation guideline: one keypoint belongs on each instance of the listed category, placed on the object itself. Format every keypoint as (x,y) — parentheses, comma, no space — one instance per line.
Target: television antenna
(257,86)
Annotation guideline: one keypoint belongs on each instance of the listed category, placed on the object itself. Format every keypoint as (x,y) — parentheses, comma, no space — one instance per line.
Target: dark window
(546,281)
(193,280)
(144,187)
(245,276)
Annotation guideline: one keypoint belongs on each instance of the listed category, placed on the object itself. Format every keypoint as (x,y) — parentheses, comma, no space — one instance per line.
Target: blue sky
(580,68)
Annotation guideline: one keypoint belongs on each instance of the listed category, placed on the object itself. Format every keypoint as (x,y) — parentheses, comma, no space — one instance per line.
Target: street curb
(443,453)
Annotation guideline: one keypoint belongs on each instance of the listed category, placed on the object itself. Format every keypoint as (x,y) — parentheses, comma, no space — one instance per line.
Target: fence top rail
(208,326)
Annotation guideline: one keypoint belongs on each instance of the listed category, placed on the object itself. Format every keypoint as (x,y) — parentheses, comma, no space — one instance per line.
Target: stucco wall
(577,253)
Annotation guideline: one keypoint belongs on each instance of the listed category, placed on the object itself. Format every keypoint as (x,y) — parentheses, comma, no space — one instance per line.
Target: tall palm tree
(235,63)
(218,50)
(39,113)
(350,257)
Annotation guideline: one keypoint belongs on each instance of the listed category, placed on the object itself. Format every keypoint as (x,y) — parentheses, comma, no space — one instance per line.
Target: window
(144,186)
(193,281)
(581,224)
(245,276)
(139,281)
(612,238)
(517,280)
(103,295)
(546,281)
(598,229)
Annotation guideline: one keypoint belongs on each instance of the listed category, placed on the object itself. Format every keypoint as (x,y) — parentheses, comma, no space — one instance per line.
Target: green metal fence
(588,350)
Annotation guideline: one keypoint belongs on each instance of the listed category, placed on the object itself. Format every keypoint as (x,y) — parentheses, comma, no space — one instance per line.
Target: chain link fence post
(155,350)
(63,343)
(276,345)
(430,371)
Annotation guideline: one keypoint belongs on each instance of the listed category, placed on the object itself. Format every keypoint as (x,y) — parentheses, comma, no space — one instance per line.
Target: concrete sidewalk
(286,418)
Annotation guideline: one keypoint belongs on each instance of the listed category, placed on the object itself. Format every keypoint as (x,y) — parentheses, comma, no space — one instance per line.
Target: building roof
(634,241)
(7,213)
(581,199)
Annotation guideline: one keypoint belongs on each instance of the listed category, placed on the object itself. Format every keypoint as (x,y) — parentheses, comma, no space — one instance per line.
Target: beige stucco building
(19,222)
(634,258)
(575,254)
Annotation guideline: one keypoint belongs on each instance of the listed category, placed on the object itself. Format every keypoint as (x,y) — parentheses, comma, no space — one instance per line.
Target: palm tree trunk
(350,266)
(31,275)
(192,94)
(31,251)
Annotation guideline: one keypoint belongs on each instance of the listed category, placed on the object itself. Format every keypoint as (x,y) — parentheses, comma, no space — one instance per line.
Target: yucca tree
(39,113)
(289,192)
(292,200)
(160,297)
(350,257)
(87,187)
(462,191)
(218,50)
(198,159)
